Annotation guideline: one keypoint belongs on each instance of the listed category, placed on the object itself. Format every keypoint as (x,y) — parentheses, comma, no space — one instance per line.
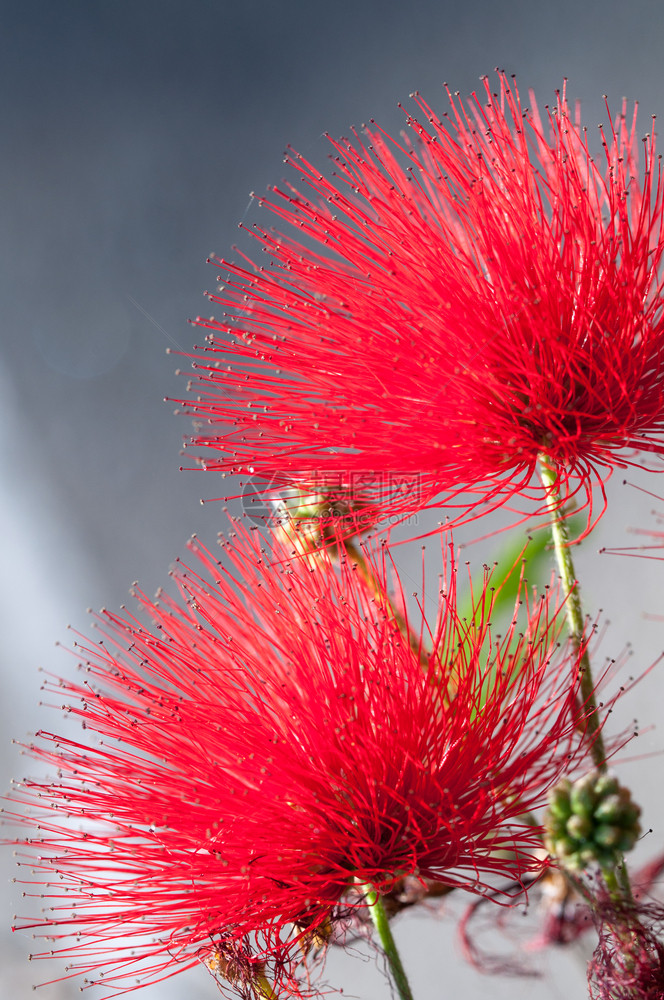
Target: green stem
(381,923)
(612,883)
(575,617)
(265,988)
(624,882)
(617,881)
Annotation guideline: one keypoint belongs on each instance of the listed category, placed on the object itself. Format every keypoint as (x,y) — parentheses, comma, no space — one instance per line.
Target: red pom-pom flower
(442,311)
(276,746)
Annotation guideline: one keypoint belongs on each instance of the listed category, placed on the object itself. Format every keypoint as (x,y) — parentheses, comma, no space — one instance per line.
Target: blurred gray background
(132,134)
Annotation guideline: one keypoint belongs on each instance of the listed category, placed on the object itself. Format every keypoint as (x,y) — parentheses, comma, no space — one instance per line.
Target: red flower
(443,311)
(275,741)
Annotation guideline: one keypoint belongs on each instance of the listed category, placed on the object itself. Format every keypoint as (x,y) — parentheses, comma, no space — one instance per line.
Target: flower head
(444,310)
(272,743)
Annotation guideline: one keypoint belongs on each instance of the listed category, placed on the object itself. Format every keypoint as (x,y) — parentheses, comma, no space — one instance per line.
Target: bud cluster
(319,517)
(591,821)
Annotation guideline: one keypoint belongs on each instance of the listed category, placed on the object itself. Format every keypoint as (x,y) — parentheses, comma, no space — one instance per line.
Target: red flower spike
(275,741)
(444,310)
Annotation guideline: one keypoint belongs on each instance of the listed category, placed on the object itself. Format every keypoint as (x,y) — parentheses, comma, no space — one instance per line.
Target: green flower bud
(562,847)
(607,836)
(314,517)
(583,797)
(618,809)
(607,785)
(559,804)
(580,827)
(628,838)
(591,821)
